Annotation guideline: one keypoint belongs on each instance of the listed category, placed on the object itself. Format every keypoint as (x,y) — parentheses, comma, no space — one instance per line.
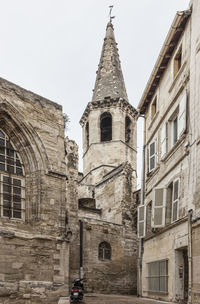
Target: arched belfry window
(104,251)
(106,126)
(127,129)
(87,134)
(12,183)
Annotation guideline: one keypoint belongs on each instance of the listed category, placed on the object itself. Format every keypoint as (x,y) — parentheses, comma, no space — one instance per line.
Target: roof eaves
(174,34)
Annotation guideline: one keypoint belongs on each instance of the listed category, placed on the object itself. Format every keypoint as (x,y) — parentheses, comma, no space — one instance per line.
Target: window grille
(104,251)
(12,191)
(158,276)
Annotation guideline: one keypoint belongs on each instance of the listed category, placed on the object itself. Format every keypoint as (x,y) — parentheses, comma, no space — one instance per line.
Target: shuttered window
(152,156)
(182,114)
(158,276)
(159,207)
(175,200)
(164,140)
(141,221)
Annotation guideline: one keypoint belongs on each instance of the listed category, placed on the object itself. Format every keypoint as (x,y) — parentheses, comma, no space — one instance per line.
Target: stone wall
(34,251)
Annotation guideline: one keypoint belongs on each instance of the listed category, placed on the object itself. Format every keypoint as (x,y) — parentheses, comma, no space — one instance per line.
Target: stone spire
(109,81)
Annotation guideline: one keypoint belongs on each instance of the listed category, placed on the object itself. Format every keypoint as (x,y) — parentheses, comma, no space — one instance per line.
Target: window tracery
(12,183)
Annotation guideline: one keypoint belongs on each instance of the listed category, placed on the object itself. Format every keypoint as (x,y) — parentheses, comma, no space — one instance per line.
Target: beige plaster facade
(170,105)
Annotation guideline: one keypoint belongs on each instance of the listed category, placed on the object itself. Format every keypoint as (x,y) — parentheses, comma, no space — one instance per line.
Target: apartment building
(168,222)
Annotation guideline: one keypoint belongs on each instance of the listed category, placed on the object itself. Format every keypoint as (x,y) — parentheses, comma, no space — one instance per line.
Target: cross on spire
(110,13)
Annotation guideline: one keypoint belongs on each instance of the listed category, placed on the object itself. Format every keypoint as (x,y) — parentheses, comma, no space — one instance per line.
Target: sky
(53,47)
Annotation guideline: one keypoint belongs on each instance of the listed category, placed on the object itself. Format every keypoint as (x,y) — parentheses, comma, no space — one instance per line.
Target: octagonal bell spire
(109,80)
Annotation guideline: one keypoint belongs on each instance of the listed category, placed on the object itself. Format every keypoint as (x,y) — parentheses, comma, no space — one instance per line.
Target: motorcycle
(77,291)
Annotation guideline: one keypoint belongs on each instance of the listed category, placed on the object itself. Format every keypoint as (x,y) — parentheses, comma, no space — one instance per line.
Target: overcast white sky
(52,47)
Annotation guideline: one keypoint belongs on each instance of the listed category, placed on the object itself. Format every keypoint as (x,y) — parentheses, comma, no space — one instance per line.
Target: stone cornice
(108,103)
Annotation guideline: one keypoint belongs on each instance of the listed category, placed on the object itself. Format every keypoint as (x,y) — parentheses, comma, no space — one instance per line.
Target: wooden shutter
(141,221)
(152,156)
(163,140)
(159,207)
(182,114)
(175,200)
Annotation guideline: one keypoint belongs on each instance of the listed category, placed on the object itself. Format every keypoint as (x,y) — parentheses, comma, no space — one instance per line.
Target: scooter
(77,291)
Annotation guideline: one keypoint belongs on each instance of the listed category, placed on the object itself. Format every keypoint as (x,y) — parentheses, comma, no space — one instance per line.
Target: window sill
(152,173)
(158,292)
(176,77)
(174,148)
(153,120)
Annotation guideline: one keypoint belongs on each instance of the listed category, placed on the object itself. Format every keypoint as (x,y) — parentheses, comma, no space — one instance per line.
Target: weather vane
(110,13)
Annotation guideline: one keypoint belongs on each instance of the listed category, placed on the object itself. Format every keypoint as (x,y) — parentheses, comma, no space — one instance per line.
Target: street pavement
(117,299)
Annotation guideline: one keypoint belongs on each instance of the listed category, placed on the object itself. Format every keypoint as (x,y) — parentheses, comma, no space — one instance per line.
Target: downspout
(81,249)
(190,256)
(141,244)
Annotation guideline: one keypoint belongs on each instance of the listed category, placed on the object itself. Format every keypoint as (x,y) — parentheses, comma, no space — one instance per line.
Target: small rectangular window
(154,107)
(177,61)
(158,276)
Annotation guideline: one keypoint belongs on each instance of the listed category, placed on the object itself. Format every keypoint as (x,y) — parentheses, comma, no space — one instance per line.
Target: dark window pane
(16,198)
(152,149)
(17,182)
(6,188)
(2,135)
(10,152)
(19,171)
(7,180)
(2,158)
(16,190)
(18,163)
(17,206)
(7,212)
(17,214)
(7,204)
(2,167)
(7,196)
(10,169)
(2,150)
(10,161)
(2,143)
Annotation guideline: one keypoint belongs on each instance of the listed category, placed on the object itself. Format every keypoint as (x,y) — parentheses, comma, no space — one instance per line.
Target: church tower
(109,120)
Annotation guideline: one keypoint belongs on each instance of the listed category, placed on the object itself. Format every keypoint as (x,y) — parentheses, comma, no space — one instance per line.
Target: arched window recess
(106,126)
(127,129)
(104,251)
(87,134)
(12,181)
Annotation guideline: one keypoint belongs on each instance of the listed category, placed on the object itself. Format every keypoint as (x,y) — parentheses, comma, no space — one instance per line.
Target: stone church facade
(57,224)
(106,205)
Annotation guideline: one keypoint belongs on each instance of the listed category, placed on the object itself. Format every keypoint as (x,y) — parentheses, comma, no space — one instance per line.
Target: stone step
(64,300)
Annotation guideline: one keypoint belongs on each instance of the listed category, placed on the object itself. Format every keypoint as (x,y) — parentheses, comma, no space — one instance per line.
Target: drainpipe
(141,244)
(190,256)
(81,249)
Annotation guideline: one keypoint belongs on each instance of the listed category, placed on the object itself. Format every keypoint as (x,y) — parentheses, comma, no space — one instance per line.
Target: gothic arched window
(127,129)
(104,251)
(12,183)
(106,126)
